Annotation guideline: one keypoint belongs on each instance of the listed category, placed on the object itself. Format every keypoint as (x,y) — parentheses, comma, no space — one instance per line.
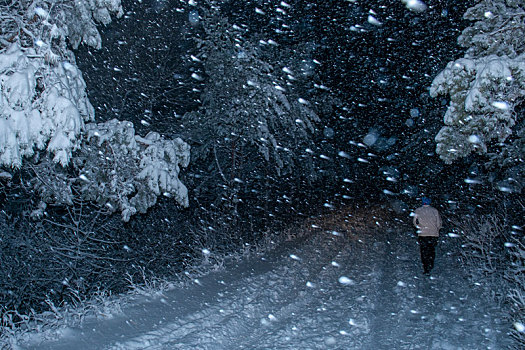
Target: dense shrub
(494,254)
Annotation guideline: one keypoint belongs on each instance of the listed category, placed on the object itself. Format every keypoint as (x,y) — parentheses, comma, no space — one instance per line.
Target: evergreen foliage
(117,170)
(44,106)
(139,168)
(43,103)
(486,116)
(245,102)
(487,86)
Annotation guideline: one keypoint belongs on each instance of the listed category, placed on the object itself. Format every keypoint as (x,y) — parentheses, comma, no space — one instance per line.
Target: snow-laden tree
(43,102)
(42,106)
(45,113)
(487,86)
(117,170)
(246,101)
(135,170)
(486,115)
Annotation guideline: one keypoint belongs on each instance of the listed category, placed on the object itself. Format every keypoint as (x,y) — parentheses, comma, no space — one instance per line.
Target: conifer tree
(43,102)
(486,115)
(486,87)
(46,119)
(245,102)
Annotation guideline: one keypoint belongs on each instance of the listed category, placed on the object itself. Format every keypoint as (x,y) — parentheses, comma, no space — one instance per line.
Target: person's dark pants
(427,246)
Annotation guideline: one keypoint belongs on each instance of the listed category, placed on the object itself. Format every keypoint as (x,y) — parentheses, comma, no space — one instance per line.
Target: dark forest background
(361,80)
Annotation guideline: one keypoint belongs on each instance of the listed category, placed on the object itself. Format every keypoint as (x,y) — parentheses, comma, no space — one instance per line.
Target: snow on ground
(322,291)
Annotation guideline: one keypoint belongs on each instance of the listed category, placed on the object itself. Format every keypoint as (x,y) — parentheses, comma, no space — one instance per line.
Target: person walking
(428,223)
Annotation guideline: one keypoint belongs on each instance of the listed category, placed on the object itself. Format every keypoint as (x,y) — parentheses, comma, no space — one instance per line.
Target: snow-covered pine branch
(43,102)
(42,106)
(71,22)
(126,172)
(498,29)
(487,85)
(118,170)
(483,95)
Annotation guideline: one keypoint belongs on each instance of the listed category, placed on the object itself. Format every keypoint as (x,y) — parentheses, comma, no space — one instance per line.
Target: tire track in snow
(259,304)
(299,319)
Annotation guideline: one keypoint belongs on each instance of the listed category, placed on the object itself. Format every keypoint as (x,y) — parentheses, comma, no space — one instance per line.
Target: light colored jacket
(427,221)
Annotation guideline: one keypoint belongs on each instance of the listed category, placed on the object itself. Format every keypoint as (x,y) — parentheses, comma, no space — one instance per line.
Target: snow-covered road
(321,291)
